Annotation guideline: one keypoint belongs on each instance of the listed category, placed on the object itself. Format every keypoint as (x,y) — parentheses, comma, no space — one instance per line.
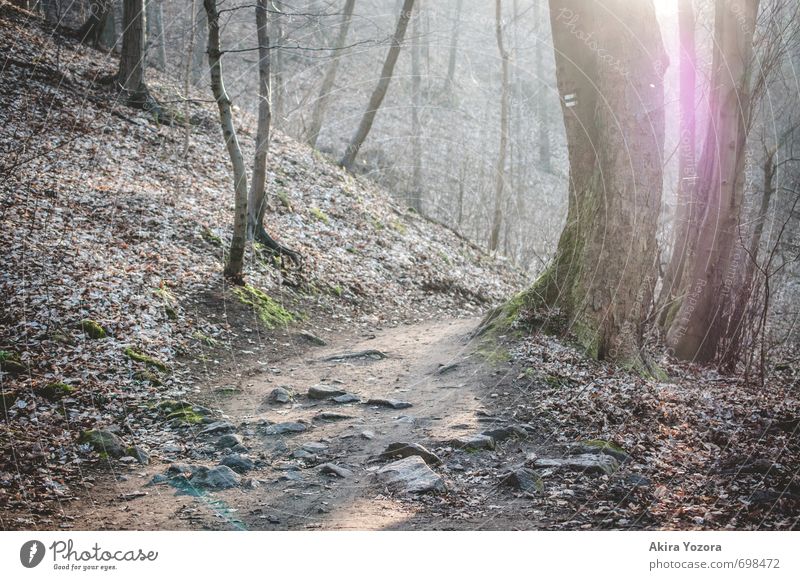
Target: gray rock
(284,428)
(180,468)
(410,475)
(104,442)
(220,477)
(590,464)
(337,470)
(229,440)
(328,416)
(506,432)
(315,447)
(636,480)
(324,392)
(525,480)
(239,463)
(346,398)
(312,338)
(391,403)
(239,449)
(302,454)
(218,428)
(409,449)
(593,446)
(280,395)
(368,434)
(139,454)
(158,478)
(473,442)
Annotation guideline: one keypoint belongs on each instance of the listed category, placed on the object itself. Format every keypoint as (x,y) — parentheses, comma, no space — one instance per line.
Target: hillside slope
(107,229)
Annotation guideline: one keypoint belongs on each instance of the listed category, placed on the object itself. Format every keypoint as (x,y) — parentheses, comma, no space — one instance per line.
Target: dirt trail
(428,365)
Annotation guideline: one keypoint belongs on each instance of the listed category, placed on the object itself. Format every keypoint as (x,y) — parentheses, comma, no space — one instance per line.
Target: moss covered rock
(92,329)
(56,391)
(106,443)
(269,312)
(10,363)
(139,356)
(146,376)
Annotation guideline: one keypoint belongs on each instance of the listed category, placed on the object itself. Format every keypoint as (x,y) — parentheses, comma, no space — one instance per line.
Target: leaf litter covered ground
(114,314)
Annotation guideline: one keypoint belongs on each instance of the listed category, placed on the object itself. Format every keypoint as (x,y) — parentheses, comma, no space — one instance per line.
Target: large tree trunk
(92,31)
(687,214)
(155,34)
(380,91)
(235,262)
(601,278)
(699,326)
(318,116)
(505,93)
(542,114)
(131,60)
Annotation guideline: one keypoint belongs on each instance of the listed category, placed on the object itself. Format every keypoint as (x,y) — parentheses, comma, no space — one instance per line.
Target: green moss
(139,356)
(185,416)
(269,312)
(606,448)
(336,290)
(148,377)
(319,215)
(204,338)
(283,197)
(211,237)
(11,363)
(56,391)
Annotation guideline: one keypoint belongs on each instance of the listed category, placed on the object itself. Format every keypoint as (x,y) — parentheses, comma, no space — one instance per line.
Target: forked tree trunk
(235,261)
(699,326)
(131,60)
(380,91)
(416,105)
(500,170)
(321,106)
(601,278)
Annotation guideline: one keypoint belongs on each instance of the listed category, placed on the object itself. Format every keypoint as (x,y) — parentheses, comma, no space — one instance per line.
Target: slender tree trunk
(500,171)
(686,221)
(108,31)
(187,76)
(131,61)
(321,106)
(380,91)
(92,30)
(200,42)
(257,201)
(235,262)
(278,107)
(416,105)
(602,277)
(451,62)
(699,326)
(155,34)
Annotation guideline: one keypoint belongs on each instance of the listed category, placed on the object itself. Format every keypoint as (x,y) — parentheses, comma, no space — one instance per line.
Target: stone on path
(218,428)
(320,392)
(239,463)
(408,450)
(473,442)
(410,475)
(334,469)
(599,464)
(221,477)
(280,395)
(391,403)
(284,428)
(525,480)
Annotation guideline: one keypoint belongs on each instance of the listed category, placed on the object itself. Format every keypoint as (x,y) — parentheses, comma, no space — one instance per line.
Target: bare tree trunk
(416,105)
(699,326)
(451,63)
(380,91)
(257,201)
(601,279)
(542,115)
(92,30)
(131,61)
(500,171)
(277,69)
(108,31)
(187,76)
(686,221)
(155,34)
(235,262)
(200,42)
(318,116)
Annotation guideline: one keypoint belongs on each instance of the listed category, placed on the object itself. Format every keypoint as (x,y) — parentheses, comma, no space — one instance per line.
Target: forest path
(428,365)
